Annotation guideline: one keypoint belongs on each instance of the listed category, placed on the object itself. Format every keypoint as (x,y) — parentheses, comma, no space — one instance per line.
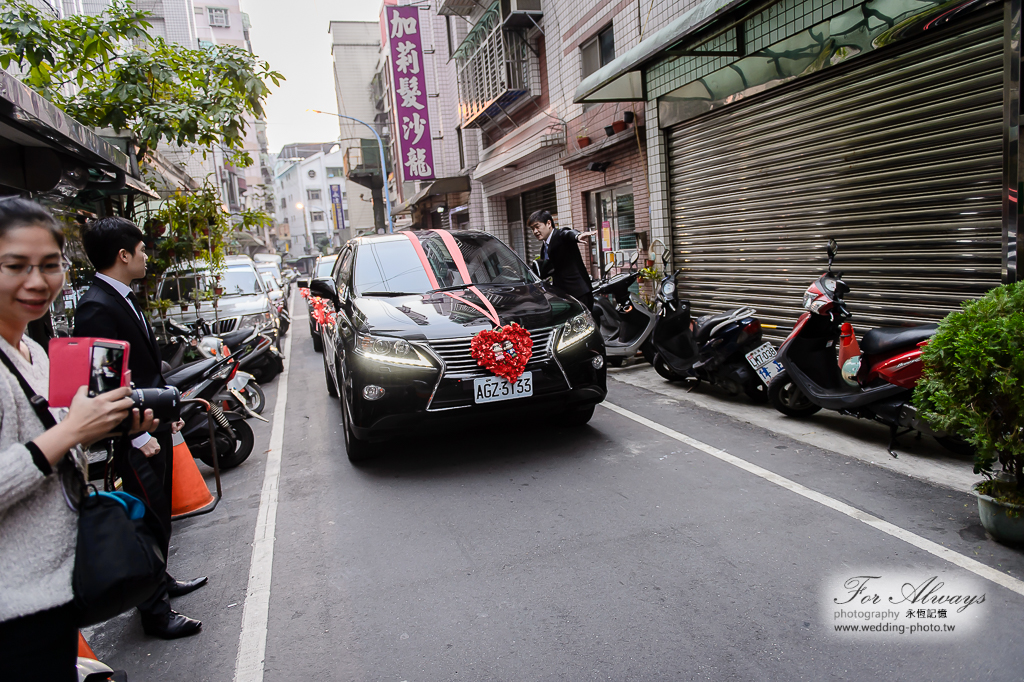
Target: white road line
(252,642)
(938,550)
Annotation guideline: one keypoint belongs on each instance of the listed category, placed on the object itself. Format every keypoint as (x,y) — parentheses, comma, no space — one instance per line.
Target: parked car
(398,350)
(243,302)
(322,268)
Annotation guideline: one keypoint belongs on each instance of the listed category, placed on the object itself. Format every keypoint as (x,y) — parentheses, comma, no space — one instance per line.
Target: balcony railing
(493,65)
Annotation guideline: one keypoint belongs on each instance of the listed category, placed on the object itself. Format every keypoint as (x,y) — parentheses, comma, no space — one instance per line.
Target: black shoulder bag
(118,560)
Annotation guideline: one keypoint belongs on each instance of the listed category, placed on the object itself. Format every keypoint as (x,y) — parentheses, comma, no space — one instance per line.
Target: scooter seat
(232,339)
(186,373)
(887,339)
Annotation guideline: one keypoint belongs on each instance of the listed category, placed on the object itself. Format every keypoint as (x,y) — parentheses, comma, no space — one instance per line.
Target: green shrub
(973,381)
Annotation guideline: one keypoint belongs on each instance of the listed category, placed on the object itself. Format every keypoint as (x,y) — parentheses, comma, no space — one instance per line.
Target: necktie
(544,251)
(135,304)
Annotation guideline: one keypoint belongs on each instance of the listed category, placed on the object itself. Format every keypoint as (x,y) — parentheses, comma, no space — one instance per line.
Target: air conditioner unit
(521,13)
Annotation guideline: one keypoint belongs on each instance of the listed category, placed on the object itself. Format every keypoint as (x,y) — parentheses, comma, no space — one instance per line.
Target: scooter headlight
(669,288)
(575,330)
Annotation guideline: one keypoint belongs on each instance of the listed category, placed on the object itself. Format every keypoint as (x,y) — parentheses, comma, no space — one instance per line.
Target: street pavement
(666,540)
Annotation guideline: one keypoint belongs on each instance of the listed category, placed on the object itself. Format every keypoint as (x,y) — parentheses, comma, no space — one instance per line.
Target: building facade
(312,212)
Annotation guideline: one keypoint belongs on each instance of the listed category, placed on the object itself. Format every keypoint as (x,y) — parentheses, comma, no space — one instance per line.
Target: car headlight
(390,350)
(576,329)
(256,320)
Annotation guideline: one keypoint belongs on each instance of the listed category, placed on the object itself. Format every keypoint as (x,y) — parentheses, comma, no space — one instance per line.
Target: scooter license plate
(493,389)
(762,359)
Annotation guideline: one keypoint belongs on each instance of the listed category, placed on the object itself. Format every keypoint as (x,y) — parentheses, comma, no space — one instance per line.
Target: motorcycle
(724,349)
(207,380)
(627,324)
(820,371)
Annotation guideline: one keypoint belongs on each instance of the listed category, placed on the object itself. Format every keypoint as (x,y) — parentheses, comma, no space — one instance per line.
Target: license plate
(493,389)
(762,359)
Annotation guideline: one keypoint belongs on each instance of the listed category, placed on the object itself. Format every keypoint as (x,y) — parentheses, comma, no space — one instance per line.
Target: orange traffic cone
(189,493)
(84,650)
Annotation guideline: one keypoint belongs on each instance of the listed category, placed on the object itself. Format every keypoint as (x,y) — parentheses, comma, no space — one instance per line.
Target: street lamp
(383,163)
(305,228)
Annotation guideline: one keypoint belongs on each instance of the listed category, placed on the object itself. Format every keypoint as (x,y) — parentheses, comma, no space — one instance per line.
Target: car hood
(228,306)
(439,316)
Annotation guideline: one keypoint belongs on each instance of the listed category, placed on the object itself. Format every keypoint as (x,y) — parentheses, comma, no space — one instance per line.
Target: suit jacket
(105,313)
(564,264)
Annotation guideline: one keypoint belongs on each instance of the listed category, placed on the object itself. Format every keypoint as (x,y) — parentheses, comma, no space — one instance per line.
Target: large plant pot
(1004,522)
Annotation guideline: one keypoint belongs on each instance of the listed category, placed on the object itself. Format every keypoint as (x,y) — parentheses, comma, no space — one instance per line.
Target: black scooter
(626,324)
(712,348)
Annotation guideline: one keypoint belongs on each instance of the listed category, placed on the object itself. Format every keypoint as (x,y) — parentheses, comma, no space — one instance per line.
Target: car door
(340,335)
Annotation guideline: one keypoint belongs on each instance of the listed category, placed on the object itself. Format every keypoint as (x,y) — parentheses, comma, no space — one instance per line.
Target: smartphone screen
(106,368)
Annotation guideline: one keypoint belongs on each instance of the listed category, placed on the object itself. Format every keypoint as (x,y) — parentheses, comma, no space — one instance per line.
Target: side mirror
(324,287)
(833,249)
(664,257)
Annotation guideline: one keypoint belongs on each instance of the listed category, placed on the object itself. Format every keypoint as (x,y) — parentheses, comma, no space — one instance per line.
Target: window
(316,216)
(284,203)
(598,52)
(313,194)
(218,17)
(335,172)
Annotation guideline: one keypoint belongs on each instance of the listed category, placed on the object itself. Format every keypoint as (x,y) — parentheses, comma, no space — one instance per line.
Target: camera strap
(42,409)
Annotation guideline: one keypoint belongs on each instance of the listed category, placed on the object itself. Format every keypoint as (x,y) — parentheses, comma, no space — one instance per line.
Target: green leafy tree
(107,71)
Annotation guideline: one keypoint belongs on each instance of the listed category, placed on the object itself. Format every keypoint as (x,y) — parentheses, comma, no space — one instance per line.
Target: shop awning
(622,79)
(452,185)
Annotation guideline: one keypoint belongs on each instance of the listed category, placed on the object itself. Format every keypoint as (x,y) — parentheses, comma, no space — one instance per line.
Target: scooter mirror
(833,248)
(608,266)
(664,257)
(634,258)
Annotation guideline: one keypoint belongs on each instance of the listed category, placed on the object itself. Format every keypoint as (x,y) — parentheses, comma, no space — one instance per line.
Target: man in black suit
(110,310)
(561,259)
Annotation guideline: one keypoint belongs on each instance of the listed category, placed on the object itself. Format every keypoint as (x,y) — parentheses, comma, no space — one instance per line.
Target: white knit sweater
(37,529)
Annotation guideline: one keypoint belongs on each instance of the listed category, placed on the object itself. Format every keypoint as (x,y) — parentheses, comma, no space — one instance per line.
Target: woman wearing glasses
(38,530)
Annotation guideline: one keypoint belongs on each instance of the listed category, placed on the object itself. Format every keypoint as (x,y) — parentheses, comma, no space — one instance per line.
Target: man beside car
(560,257)
(109,309)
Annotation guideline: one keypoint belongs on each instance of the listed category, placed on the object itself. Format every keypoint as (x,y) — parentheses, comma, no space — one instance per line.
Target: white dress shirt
(124,290)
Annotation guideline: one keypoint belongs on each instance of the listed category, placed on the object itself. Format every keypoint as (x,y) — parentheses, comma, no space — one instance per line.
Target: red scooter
(877,384)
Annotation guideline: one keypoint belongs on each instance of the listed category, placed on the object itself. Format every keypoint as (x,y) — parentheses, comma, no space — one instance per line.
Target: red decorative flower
(321,313)
(503,351)
(304,292)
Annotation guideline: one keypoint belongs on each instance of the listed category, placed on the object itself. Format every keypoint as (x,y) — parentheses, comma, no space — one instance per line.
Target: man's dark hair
(16,212)
(540,217)
(103,239)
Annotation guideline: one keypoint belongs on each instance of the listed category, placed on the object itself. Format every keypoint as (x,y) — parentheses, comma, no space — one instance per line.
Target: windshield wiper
(459,287)
(387,293)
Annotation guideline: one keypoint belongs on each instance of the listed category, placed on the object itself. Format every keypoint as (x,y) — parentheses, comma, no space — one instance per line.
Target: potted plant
(972,386)
(609,130)
(582,138)
(618,126)
(627,117)
(161,305)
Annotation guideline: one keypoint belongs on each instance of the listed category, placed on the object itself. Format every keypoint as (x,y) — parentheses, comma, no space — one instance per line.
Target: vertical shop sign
(407,77)
(339,208)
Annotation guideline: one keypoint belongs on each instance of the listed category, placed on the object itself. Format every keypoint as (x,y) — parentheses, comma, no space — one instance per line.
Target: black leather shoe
(180,588)
(170,626)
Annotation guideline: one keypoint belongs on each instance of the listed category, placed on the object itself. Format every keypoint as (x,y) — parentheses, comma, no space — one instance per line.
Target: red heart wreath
(503,351)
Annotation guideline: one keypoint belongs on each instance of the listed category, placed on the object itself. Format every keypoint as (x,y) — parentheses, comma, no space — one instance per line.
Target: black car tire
(579,416)
(332,388)
(757,392)
(663,370)
(788,399)
(241,438)
(318,343)
(358,450)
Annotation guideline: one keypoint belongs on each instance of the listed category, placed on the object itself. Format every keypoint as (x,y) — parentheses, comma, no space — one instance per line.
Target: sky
(292,36)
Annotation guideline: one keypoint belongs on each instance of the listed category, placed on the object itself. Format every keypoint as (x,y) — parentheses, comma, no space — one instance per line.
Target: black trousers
(41,646)
(150,480)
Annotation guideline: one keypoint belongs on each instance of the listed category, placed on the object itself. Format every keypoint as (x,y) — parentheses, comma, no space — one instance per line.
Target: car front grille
(224,325)
(459,362)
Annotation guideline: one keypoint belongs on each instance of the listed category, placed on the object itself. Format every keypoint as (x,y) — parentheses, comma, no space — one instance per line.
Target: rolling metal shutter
(899,160)
(541,199)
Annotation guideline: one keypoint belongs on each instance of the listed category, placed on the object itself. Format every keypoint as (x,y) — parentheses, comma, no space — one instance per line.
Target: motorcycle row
(227,376)
(820,365)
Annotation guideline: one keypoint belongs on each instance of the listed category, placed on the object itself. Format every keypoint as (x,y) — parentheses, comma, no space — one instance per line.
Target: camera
(102,365)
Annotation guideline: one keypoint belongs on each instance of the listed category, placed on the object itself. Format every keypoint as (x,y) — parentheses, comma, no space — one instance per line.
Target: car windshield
(234,281)
(324,267)
(393,266)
